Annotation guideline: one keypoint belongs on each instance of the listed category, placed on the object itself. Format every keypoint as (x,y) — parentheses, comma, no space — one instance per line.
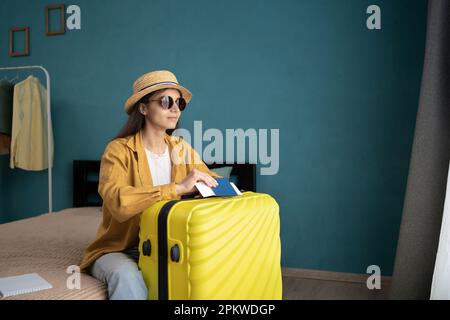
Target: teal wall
(345,100)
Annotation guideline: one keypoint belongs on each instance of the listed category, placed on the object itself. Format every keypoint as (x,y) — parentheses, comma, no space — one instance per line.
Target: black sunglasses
(167,102)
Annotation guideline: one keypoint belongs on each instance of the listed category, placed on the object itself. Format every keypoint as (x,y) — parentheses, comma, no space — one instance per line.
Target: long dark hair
(136,120)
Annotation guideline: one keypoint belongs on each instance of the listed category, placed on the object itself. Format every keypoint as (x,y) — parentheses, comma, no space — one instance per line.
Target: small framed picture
(55,19)
(17,34)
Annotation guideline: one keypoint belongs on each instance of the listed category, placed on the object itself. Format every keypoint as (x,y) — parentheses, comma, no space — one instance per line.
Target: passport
(224,188)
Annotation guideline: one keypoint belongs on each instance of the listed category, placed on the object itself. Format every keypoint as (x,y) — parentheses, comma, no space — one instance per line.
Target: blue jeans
(119,270)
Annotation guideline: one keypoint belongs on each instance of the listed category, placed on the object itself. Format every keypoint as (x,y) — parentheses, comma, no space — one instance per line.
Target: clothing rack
(49,121)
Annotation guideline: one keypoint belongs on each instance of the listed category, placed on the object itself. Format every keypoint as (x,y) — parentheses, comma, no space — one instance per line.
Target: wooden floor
(305,288)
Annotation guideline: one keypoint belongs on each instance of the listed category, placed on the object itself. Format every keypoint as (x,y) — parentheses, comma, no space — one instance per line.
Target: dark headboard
(85,183)
(86,175)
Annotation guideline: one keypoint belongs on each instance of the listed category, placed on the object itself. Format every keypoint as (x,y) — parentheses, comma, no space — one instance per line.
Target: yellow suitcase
(218,248)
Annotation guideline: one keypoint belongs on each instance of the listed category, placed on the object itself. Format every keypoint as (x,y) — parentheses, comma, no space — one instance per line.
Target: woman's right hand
(188,184)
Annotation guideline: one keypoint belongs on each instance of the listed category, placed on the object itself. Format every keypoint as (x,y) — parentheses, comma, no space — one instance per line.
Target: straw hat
(153,81)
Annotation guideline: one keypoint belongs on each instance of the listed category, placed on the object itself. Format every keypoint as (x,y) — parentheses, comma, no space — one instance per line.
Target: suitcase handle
(191,196)
(175,253)
(147,248)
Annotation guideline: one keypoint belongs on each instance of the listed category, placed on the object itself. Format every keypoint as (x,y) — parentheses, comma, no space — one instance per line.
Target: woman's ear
(143,109)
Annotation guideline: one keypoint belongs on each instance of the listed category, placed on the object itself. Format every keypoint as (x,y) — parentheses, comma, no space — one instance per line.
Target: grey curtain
(425,190)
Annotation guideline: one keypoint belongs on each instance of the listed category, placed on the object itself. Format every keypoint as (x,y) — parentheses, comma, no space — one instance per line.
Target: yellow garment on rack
(29,144)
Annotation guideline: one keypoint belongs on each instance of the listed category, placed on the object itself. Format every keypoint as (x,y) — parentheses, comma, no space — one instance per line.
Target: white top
(160,167)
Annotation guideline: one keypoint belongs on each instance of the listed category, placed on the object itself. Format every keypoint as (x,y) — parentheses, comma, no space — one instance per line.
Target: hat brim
(131,101)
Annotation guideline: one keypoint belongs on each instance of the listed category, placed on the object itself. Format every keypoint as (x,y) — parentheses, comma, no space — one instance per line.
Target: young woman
(143,165)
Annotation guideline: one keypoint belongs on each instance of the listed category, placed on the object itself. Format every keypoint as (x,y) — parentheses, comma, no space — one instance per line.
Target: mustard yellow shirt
(125,185)
(29,133)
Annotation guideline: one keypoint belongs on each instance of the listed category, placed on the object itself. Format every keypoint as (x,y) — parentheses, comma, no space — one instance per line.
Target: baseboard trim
(330,275)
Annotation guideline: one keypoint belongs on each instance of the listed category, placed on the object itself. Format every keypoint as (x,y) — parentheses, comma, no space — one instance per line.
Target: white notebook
(27,283)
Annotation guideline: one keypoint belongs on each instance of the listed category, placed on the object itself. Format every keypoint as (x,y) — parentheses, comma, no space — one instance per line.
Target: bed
(50,243)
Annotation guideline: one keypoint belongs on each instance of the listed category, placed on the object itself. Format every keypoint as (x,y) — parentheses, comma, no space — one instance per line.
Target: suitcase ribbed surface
(235,253)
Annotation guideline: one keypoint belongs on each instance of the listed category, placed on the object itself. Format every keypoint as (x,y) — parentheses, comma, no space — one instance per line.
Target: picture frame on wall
(49,28)
(12,45)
